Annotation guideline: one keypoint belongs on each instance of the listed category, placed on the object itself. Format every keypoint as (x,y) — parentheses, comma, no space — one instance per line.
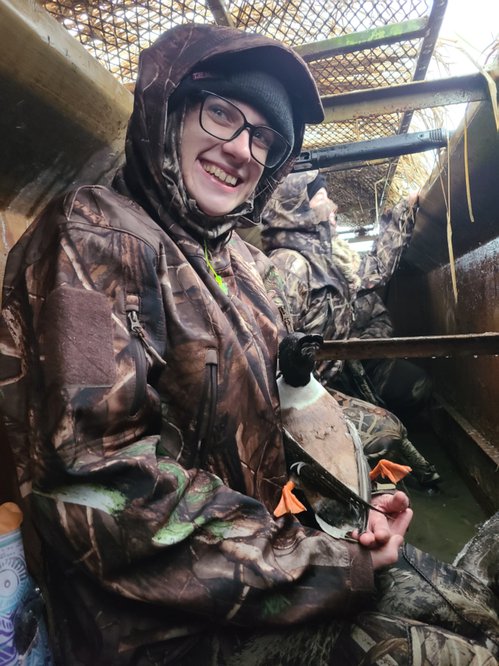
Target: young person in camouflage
(397,384)
(321,290)
(139,397)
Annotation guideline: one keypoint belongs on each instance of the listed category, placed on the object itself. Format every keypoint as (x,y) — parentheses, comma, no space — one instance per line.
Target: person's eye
(263,138)
(220,113)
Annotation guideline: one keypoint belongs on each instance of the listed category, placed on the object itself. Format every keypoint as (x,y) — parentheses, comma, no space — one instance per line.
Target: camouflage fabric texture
(153,483)
(298,240)
(141,406)
(371,317)
(140,403)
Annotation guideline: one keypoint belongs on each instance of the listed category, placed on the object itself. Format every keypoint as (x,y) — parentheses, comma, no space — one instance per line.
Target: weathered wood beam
(406,97)
(39,54)
(482,344)
(63,117)
(367,39)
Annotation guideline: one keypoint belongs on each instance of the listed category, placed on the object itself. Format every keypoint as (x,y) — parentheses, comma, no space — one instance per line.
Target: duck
(323,449)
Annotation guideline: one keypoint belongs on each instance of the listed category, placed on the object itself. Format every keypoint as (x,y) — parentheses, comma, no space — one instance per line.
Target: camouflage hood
(289,223)
(152,173)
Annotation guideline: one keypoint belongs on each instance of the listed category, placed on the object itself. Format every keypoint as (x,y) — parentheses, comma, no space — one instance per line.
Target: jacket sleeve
(295,275)
(380,263)
(321,311)
(372,319)
(86,439)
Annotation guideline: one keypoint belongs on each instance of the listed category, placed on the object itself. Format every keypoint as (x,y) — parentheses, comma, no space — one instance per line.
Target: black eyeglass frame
(204,94)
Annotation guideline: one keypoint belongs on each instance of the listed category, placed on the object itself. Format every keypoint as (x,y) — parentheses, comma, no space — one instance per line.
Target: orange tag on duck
(11,517)
(389,470)
(288,502)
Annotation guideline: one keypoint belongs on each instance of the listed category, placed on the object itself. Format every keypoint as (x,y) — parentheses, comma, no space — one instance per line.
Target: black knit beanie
(259,89)
(318,183)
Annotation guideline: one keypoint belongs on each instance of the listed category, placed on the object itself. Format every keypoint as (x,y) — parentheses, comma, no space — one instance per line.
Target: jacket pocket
(140,348)
(207,408)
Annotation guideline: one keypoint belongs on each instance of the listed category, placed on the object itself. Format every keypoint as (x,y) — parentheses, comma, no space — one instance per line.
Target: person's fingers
(367,540)
(400,501)
(374,538)
(401,523)
(393,503)
(379,526)
(395,543)
(387,555)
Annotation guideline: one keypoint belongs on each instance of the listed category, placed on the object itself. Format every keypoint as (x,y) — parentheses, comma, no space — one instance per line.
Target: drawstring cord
(218,278)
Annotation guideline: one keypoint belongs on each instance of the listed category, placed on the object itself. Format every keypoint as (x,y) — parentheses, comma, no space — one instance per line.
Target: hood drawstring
(218,278)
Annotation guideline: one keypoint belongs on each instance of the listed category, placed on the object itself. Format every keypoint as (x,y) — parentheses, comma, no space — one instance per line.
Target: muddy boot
(480,556)
(425,473)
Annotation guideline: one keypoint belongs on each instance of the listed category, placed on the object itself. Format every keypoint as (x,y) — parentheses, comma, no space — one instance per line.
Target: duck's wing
(335,504)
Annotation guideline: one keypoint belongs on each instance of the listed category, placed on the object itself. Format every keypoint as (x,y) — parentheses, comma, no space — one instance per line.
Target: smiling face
(219,175)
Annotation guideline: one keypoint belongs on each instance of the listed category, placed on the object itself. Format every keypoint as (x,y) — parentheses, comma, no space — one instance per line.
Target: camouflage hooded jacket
(299,242)
(141,406)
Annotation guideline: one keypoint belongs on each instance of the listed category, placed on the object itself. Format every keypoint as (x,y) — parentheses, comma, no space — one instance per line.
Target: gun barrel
(384,147)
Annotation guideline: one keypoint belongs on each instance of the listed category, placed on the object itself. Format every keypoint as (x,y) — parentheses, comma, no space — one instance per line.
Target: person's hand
(385,532)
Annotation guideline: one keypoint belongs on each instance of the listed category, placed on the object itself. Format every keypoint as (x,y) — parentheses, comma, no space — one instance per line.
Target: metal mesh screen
(115,31)
(354,190)
(300,21)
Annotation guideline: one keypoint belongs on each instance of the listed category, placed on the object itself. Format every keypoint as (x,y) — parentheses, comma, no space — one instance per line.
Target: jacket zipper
(140,345)
(138,330)
(207,409)
(288,325)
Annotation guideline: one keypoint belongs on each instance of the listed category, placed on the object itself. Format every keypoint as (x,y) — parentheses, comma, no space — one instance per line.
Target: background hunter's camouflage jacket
(140,403)
(371,317)
(299,242)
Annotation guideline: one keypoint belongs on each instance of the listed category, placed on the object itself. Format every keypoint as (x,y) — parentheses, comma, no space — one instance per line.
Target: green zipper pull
(218,278)
(222,284)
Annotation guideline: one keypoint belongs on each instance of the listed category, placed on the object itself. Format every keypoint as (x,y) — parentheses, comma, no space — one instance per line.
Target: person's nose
(239,147)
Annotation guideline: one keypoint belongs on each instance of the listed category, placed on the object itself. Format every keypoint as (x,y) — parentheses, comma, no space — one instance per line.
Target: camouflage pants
(428,613)
(384,436)
(403,386)
(397,384)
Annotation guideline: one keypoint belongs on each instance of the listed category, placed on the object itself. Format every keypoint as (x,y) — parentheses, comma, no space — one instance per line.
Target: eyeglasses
(224,120)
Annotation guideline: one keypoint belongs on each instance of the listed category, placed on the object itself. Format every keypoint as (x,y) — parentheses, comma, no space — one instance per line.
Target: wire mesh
(115,31)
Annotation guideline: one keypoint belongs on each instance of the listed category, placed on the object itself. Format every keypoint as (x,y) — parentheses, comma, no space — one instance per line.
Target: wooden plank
(38,54)
(422,347)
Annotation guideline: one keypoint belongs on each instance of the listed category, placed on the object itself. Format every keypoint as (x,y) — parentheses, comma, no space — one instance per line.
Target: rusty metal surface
(406,97)
(429,248)
(475,457)
(424,304)
(482,344)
